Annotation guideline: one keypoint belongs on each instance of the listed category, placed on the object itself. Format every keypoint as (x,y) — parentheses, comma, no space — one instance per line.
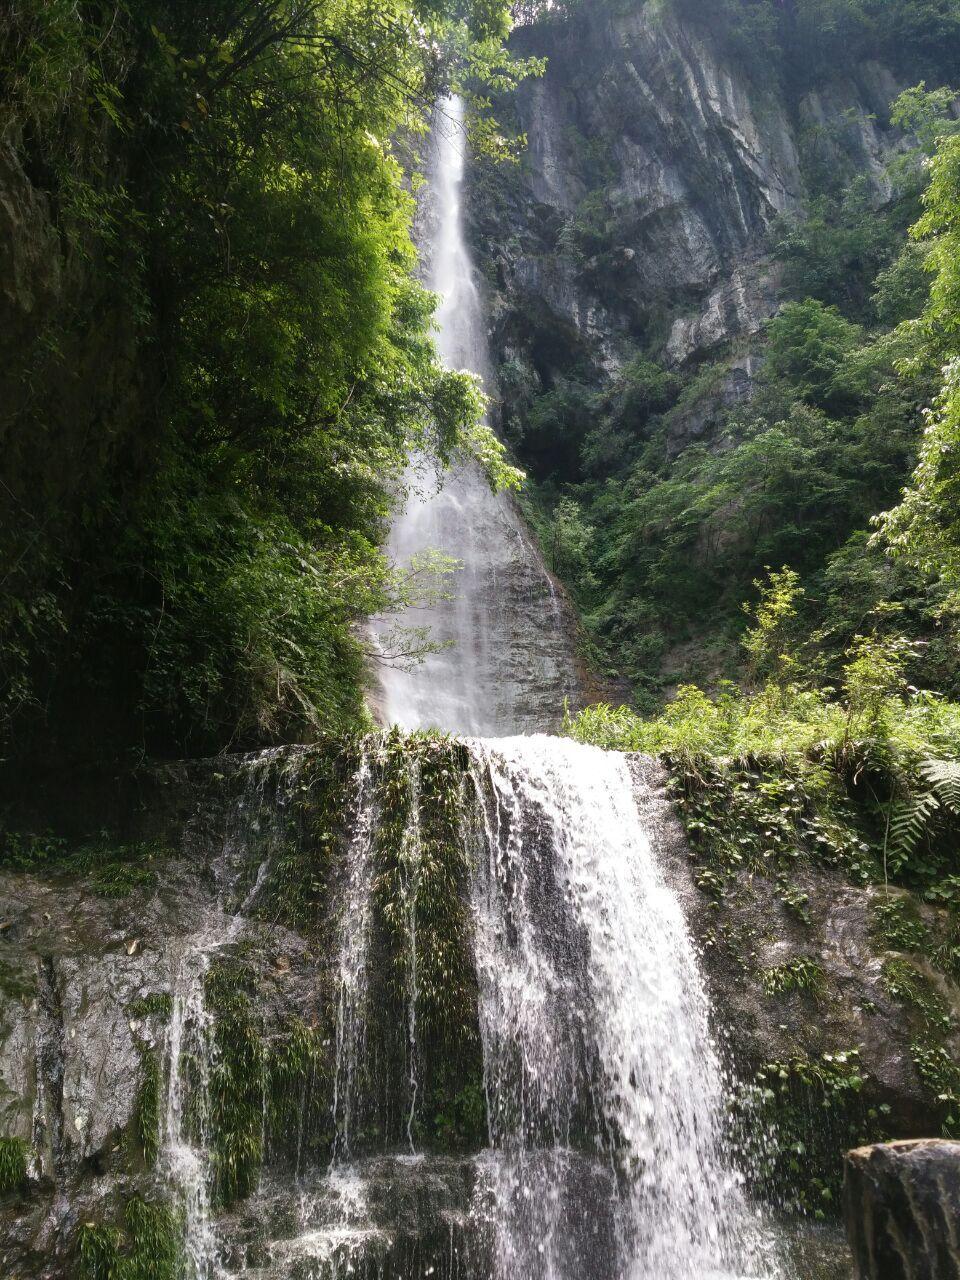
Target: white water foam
(596,1035)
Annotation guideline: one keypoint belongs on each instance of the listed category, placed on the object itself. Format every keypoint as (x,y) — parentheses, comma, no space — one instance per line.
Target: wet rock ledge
(902,1207)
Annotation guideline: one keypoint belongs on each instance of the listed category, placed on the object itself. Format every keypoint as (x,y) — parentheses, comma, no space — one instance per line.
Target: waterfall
(505,659)
(605,1093)
(609,1156)
(587,1037)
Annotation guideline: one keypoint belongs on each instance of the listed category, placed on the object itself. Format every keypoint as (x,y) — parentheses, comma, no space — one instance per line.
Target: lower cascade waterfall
(595,1033)
(604,1151)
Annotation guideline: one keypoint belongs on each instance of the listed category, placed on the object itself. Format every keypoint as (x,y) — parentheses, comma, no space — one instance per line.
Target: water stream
(507,659)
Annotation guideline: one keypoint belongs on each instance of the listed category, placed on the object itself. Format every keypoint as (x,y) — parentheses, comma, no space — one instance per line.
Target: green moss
(422,870)
(15,981)
(99,1254)
(800,974)
(296,890)
(158,1004)
(156,1241)
(147,1107)
(14,1154)
(235,1105)
(114,868)
(461,1123)
(298,1120)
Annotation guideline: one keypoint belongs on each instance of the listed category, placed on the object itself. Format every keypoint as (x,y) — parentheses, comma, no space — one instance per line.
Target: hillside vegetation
(661,490)
(216,357)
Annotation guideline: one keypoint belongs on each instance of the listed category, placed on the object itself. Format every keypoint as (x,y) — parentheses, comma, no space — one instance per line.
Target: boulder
(902,1209)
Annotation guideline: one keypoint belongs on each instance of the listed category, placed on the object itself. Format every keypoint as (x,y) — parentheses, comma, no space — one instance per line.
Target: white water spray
(352,973)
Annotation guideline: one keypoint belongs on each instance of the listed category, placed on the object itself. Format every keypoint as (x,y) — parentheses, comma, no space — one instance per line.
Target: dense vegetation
(217,361)
(662,496)
(800,41)
(836,705)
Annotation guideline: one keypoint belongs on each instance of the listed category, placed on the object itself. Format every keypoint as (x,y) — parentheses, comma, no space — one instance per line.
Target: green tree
(192,546)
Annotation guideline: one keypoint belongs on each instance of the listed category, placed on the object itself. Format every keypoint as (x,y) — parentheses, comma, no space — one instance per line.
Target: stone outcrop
(849,1016)
(640,214)
(902,1209)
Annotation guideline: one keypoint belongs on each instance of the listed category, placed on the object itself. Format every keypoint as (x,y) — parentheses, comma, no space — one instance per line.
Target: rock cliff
(240,868)
(639,217)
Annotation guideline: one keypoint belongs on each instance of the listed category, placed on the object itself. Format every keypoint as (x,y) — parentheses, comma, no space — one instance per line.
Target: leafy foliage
(148,1245)
(234,1105)
(147,1106)
(816,1109)
(800,974)
(14,1153)
(914,818)
(868,779)
(245,351)
(807,40)
(898,926)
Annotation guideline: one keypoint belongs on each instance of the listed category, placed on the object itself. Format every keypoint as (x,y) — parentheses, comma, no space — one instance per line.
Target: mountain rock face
(639,215)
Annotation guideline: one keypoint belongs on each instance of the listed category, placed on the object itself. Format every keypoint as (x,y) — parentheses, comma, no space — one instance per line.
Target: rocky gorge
(431,999)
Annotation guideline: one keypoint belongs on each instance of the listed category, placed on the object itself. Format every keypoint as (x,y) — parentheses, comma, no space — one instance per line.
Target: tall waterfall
(604,1091)
(516,874)
(506,660)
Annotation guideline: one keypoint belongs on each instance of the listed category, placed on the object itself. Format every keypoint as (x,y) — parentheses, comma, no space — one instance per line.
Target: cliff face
(178,987)
(639,216)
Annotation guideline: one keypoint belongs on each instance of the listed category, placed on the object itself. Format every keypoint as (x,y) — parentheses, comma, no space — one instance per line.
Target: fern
(913,818)
(909,824)
(943,779)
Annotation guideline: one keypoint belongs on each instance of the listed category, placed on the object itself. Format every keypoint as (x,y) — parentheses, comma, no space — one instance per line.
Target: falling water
(352,963)
(505,660)
(609,1157)
(255,834)
(605,1094)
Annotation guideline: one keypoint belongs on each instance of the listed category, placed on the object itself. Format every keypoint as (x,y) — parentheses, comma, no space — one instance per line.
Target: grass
(14,1154)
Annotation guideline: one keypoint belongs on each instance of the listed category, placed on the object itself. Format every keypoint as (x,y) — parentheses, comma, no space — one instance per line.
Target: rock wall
(93,932)
(790,1036)
(902,1208)
(639,216)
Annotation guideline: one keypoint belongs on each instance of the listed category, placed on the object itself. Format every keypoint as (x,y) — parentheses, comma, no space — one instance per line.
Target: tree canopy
(194,537)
